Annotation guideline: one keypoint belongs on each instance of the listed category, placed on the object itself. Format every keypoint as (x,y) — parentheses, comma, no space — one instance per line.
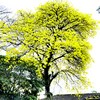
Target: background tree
(4,12)
(55,38)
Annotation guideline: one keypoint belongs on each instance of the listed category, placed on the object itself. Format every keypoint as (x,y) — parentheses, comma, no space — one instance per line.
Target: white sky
(88,6)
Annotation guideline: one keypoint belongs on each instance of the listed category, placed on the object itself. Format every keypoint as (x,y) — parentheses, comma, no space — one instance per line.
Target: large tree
(55,38)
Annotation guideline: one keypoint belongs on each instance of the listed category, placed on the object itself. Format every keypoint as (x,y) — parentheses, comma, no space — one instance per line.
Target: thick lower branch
(54,76)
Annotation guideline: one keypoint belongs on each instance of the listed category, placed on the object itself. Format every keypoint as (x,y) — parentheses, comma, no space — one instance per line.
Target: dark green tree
(18,79)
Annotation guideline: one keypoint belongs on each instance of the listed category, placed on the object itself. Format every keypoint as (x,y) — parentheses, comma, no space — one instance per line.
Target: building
(87,96)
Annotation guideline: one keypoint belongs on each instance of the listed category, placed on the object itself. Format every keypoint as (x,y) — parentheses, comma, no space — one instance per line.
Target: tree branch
(54,76)
(68,23)
(58,57)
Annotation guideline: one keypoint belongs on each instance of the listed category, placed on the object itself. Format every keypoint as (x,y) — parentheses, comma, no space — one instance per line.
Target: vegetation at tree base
(18,79)
(54,40)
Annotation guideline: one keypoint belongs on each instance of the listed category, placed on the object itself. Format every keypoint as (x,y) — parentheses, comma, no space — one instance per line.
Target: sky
(86,6)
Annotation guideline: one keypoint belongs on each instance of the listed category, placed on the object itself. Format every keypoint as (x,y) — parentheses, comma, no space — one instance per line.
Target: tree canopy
(55,40)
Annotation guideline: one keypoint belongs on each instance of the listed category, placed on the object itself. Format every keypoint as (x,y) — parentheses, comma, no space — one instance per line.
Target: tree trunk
(47,91)
(47,84)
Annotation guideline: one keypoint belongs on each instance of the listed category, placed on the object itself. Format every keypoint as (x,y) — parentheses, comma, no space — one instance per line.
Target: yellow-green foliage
(55,37)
